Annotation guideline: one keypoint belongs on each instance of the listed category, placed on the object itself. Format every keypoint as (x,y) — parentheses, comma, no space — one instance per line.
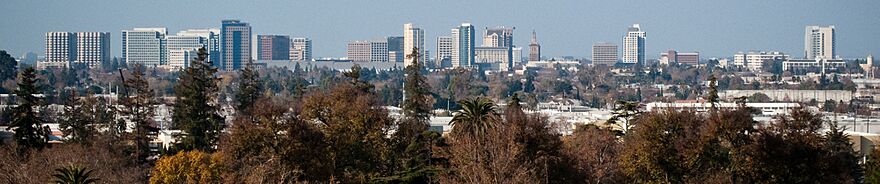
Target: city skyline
(715,29)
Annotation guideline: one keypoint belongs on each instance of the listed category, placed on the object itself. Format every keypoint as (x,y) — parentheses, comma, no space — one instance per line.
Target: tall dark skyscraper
(395,49)
(235,44)
(273,47)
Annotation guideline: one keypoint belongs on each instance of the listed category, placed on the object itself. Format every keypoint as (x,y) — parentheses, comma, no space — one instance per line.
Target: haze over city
(565,28)
(438,91)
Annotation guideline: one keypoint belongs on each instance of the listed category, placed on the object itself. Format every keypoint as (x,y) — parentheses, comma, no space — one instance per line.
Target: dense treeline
(341,133)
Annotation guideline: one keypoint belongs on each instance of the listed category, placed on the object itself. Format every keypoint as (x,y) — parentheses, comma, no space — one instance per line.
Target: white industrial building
(767,109)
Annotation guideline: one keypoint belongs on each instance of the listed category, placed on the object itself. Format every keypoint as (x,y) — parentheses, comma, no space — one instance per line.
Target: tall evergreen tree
(139,106)
(26,123)
(416,107)
(840,160)
(412,143)
(872,167)
(712,97)
(355,76)
(196,108)
(80,116)
(624,112)
(250,88)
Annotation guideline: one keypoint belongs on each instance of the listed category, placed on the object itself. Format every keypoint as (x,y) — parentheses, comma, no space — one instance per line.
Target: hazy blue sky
(565,28)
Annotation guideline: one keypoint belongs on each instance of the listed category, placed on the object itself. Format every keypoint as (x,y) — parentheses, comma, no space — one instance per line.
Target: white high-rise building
(145,46)
(819,42)
(444,52)
(455,43)
(92,48)
(634,45)
(516,56)
(463,45)
(66,48)
(413,37)
(60,50)
(184,46)
(301,49)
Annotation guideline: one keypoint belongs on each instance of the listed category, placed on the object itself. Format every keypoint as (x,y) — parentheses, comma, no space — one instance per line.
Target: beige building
(368,51)
(413,37)
(819,42)
(604,54)
(359,51)
(754,61)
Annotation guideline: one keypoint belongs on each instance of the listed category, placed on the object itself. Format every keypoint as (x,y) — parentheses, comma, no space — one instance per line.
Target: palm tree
(476,116)
(74,175)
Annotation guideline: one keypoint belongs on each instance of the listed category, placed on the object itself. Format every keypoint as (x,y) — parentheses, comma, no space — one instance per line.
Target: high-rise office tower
(819,42)
(604,54)
(379,51)
(273,47)
(92,48)
(634,45)
(516,56)
(534,48)
(235,44)
(498,37)
(66,48)
(60,50)
(184,46)
(444,52)
(463,45)
(395,48)
(359,51)
(413,37)
(301,49)
(145,46)
(368,51)
(454,53)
